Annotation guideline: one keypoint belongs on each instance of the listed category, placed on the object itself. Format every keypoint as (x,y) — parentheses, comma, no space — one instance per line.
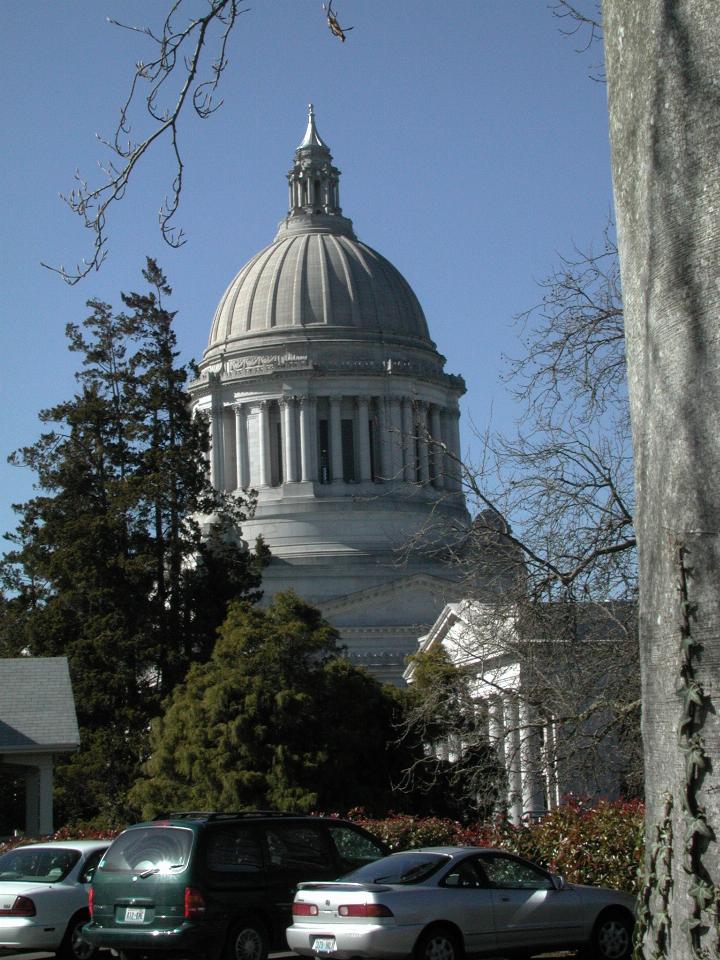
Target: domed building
(326,395)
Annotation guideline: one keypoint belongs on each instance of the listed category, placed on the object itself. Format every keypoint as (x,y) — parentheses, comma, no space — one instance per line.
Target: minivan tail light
(22,907)
(305,910)
(194,903)
(364,910)
(91,902)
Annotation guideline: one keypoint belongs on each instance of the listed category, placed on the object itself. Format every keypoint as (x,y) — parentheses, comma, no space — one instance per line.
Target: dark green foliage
(276,718)
(108,565)
(458,774)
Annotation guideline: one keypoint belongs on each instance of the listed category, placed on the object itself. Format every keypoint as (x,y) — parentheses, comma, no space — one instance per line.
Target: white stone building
(327,396)
(541,703)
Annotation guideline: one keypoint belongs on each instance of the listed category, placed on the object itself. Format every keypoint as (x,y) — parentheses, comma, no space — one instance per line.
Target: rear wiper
(151,870)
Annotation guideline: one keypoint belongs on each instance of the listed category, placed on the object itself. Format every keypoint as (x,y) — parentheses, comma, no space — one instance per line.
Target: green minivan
(215,885)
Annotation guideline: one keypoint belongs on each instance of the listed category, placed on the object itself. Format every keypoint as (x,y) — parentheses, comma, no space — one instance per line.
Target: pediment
(416,599)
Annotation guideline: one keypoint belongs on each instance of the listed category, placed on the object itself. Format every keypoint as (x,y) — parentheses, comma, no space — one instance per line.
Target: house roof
(37,709)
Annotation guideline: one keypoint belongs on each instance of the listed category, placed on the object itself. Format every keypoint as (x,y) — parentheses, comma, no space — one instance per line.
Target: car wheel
(612,937)
(74,946)
(247,941)
(438,943)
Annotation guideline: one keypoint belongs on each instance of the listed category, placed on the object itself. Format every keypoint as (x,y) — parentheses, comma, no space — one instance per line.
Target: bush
(600,843)
(64,833)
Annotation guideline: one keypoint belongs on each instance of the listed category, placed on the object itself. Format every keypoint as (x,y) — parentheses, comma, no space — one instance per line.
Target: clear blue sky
(472,144)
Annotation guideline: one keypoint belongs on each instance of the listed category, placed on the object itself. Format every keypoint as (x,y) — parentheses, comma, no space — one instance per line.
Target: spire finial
(312,138)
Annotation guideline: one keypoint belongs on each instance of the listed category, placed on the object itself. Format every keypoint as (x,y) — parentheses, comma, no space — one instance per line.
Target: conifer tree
(109,565)
(276,718)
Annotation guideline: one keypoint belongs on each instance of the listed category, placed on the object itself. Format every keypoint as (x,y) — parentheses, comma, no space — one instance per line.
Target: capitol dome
(316,275)
(327,399)
(318,278)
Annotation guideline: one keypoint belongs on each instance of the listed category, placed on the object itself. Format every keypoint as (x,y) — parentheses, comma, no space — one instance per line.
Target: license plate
(324,945)
(134,914)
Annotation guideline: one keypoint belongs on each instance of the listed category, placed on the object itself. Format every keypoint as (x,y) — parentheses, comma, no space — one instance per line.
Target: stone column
(496,728)
(424,457)
(409,447)
(336,460)
(217,447)
(438,456)
(241,448)
(363,434)
(394,429)
(289,435)
(450,418)
(264,443)
(455,446)
(46,797)
(550,758)
(383,447)
(308,438)
(512,758)
(533,797)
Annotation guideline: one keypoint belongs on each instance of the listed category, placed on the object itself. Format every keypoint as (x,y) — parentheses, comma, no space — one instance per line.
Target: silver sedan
(440,903)
(44,897)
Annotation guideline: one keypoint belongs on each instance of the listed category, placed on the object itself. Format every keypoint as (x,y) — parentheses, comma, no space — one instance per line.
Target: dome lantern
(313,180)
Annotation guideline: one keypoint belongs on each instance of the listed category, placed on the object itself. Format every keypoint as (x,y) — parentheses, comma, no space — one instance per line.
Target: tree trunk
(663,68)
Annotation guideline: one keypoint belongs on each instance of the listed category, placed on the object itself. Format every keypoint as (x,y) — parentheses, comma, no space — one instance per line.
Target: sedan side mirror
(559,882)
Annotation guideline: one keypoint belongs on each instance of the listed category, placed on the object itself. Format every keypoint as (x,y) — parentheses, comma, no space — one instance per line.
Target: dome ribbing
(316,273)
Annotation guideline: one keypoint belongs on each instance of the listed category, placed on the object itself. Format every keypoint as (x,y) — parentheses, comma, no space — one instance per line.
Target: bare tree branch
(548,567)
(184,47)
(583,20)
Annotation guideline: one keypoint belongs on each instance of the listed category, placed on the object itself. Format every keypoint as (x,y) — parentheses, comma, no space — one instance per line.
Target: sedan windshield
(401,868)
(37,865)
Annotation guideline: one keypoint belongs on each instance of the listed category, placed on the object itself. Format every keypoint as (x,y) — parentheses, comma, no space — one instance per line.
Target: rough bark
(662,59)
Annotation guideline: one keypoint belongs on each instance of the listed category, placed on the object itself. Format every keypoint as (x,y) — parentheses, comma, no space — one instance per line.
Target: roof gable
(37,709)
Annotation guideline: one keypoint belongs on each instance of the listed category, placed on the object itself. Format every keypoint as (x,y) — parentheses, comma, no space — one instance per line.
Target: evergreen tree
(108,565)
(276,718)
(458,774)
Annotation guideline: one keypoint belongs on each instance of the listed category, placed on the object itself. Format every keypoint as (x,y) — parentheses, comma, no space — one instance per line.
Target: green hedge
(600,844)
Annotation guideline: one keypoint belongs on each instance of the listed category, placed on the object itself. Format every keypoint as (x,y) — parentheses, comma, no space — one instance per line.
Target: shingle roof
(37,709)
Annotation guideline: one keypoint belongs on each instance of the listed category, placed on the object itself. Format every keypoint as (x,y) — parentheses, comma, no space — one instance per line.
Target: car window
(403,868)
(466,875)
(354,849)
(149,850)
(297,848)
(512,874)
(38,865)
(90,865)
(233,849)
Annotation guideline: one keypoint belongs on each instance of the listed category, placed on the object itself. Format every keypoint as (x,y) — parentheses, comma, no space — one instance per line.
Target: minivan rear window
(148,851)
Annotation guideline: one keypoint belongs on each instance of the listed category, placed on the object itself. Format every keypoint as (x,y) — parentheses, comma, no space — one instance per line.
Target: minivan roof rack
(214,815)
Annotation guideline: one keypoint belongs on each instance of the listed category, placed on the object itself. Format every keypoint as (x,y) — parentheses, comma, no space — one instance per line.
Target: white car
(440,903)
(44,897)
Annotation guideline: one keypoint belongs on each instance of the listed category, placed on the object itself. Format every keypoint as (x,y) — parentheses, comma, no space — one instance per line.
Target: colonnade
(526,747)
(334,439)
